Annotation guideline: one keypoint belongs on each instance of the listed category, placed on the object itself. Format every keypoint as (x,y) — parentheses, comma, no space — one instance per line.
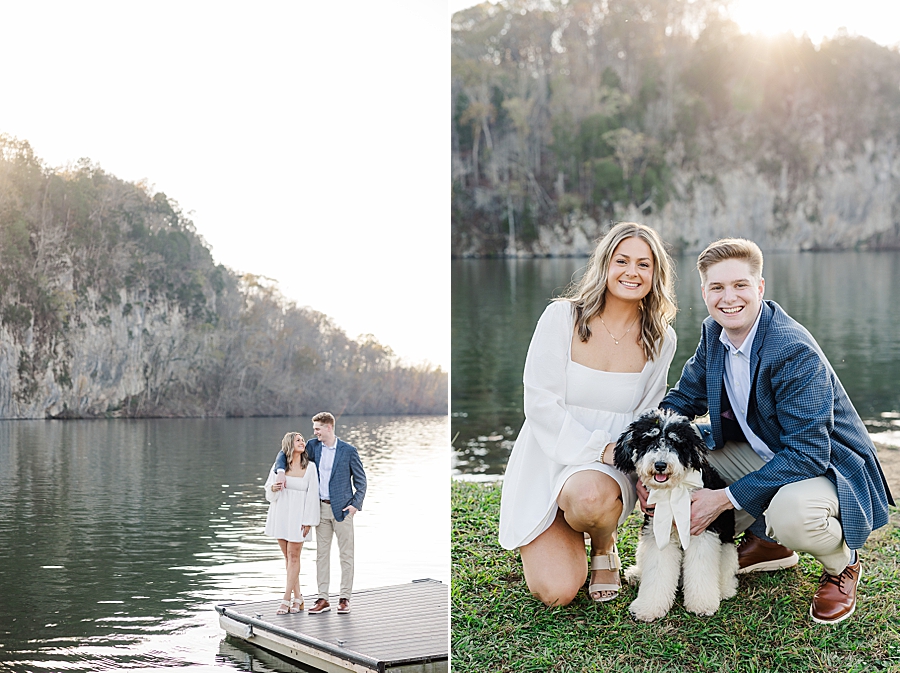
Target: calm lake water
(846,300)
(118,537)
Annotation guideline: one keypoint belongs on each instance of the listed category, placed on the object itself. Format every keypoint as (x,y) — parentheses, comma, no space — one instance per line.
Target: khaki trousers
(803,516)
(343,530)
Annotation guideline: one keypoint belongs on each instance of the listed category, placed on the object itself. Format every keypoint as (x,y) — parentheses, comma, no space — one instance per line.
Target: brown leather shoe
(835,599)
(321,606)
(756,555)
(344,606)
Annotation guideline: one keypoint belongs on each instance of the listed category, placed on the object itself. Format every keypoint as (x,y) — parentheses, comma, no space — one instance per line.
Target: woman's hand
(305,530)
(643,494)
(277,486)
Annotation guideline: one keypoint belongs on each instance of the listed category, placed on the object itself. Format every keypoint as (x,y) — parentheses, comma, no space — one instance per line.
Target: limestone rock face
(845,201)
(107,359)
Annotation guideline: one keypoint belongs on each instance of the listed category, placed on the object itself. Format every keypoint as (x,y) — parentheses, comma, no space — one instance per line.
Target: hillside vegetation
(112,305)
(567,115)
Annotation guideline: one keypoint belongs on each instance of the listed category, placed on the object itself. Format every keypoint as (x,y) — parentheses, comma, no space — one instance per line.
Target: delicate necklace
(626,331)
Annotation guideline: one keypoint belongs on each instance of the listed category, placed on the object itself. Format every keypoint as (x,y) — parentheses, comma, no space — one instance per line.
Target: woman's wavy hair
(287,446)
(658,308)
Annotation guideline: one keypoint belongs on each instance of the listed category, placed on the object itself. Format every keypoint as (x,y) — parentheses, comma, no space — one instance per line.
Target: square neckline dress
(571,413)
(294,506)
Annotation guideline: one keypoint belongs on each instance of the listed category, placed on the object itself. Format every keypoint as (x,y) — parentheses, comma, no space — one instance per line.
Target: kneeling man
(801,466)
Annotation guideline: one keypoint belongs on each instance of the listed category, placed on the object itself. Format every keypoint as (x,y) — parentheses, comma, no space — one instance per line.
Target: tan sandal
(609,561)
(295,608)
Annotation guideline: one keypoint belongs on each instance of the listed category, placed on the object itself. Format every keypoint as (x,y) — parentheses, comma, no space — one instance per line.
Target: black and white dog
(669,457)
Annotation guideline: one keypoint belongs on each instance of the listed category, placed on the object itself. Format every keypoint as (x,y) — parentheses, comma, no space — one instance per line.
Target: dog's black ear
(622,455)
(699,449)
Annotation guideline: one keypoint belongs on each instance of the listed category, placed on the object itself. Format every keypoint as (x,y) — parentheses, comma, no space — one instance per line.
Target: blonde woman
(598,358)
(293,511)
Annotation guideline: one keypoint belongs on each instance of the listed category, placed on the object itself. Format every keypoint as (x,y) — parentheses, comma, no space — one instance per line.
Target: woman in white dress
(598,358)
(293,511)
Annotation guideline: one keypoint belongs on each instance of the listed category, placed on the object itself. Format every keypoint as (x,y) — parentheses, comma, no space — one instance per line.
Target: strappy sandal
(609,561)
(296,608)
(284,608)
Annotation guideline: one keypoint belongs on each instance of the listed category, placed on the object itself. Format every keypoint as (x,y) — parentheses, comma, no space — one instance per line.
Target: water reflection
(238,654)
(846,300)
(117,537)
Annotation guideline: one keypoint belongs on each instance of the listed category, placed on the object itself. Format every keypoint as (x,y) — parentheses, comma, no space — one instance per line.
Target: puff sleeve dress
(294,506)
(571,413)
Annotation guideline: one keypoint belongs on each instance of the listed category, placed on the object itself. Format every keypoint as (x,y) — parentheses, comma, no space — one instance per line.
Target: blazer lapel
(338,450)
(715,378)
(758,341)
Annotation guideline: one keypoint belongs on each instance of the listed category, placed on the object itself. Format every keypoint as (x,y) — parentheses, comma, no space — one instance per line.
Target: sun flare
(819,19)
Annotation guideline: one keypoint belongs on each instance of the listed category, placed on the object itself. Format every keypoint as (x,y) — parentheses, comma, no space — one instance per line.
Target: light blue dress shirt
(326,463)
(737,385)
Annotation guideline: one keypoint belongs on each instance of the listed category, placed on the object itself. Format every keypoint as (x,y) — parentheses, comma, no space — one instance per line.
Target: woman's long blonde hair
(287,446)
(658,308)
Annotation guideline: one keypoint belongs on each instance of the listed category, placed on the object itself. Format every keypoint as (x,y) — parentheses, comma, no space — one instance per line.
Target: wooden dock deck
(398,629)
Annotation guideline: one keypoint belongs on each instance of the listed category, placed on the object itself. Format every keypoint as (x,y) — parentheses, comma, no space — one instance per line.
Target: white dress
(292,507)
(571,413)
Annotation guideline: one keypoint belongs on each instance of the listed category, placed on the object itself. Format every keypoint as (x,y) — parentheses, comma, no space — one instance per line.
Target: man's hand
(350,509)
(643,494)
(304,530)
(706,505)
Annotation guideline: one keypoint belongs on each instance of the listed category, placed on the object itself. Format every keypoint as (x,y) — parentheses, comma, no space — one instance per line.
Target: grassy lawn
(498,626)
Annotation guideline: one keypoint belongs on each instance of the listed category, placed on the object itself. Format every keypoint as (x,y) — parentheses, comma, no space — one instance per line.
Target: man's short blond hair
(323,417)
(731,248)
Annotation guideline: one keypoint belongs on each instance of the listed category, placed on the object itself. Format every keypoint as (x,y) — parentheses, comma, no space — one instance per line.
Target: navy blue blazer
(347,485)
(799,408)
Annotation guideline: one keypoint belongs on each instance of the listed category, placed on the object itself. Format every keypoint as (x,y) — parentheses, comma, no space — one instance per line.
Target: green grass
(498,626)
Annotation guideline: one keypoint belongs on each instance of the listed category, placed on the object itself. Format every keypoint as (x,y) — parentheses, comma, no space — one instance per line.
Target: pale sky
(308,140)
(879,20)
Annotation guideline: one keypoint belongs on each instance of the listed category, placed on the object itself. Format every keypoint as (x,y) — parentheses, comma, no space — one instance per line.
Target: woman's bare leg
(554,563)
(592,504)
(293,570)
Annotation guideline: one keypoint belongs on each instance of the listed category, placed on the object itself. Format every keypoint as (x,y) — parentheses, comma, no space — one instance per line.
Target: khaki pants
(343,530)
(803,516)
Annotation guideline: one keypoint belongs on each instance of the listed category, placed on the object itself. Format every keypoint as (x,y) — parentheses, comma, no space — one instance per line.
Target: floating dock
(398,629)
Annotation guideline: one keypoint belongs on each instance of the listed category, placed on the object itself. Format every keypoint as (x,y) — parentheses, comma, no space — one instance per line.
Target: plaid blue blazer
(347,485)
(799,408)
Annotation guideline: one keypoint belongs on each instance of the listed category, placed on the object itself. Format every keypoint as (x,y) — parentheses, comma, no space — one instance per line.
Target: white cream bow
(674,504)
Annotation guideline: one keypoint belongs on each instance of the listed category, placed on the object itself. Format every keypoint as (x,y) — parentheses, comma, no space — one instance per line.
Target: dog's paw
(633,575)
(729,587)
(703,613)
(701,608)
(646,611)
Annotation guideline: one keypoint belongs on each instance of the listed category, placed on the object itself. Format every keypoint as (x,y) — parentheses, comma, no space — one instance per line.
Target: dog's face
(660,446)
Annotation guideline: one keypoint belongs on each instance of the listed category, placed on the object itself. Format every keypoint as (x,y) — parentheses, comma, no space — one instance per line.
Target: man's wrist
(732,500)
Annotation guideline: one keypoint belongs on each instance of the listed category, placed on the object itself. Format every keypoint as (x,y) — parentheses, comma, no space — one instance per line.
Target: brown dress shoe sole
(769,566)
(833,621)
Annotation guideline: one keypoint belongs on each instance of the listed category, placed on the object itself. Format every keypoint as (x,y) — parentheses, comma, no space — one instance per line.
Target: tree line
(91,262)
(590,106)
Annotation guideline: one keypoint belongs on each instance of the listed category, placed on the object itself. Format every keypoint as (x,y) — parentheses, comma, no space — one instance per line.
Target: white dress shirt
(326,463)
(737,386)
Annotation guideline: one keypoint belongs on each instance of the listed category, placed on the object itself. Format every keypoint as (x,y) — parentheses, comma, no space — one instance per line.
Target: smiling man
(342,487)
(800,465)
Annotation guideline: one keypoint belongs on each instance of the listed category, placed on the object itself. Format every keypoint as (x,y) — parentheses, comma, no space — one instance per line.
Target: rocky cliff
(569,116)
(851,201)
(111,305)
